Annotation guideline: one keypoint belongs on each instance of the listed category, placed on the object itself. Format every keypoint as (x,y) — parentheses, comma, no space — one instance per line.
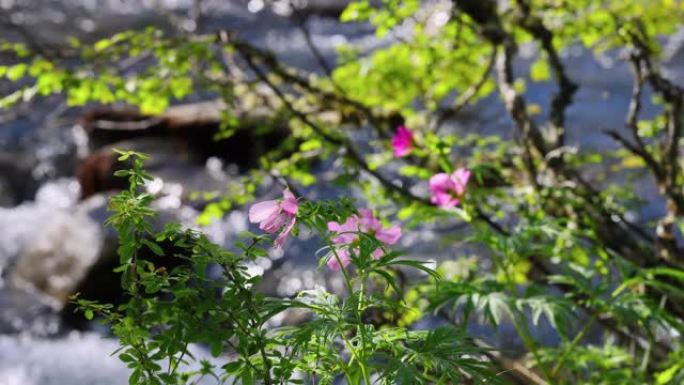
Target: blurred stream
(50,239)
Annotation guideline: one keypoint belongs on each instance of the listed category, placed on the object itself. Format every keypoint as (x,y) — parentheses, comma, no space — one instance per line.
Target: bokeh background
(55,168)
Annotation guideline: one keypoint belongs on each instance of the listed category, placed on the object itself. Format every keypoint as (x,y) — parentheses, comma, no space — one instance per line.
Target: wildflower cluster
(231,317)
(447,190)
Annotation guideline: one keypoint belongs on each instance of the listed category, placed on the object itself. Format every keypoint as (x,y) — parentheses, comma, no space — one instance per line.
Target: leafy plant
(168,310)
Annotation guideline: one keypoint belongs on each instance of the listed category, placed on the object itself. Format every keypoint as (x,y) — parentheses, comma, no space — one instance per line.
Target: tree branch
(276,67)
(566,87)
(467,96)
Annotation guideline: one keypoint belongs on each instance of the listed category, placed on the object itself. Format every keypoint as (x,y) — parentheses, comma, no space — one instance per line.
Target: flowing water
(49,239)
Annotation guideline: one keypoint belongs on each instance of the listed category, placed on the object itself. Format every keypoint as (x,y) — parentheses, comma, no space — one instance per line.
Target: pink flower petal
(368,223)
(377,253)
(263,210)
(274,222)
(343,255)
(462,175)
(460,180)
(280,240)
(389,236)
(439,182)
(404,133)
(444,199)
(446,190)
(346,232)
(402,142)
(289,203)
(287,194)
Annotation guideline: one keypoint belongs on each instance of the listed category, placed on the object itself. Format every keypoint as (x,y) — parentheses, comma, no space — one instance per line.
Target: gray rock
(59,248)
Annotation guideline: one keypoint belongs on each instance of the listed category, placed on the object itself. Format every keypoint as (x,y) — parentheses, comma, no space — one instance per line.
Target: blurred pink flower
(343,255)
(402,142)
(275,215)
(345,232)
(346,236)
(448,189)
(371,225)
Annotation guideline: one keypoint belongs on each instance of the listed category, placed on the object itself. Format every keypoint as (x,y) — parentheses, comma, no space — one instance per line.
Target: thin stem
(361,330)
(345,274)
(521,325)
(355,354)
(578,338)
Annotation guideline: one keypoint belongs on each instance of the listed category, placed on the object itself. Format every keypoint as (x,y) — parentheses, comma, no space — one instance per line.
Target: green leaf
(16,71)
(356,11)
(154,247)
(310,145)
(495,306)
(539,71)
(664,377)
(216,348)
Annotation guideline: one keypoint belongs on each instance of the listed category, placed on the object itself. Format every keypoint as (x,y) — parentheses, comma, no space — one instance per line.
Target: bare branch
(338,140)
(666,169)
(637,150)
(566,87)
(292,77)
(467,96)
(301,24)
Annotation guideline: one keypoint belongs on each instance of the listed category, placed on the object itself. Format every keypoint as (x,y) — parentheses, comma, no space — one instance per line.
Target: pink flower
(447,190)
(371,225)
(276,215)
(346,236)
(402,142)
(343,255)
(345,232)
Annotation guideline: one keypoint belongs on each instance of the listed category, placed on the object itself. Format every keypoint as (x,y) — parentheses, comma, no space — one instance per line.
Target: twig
(275,66)
(341,141)
(637,150)
(666,169)
(301,24)
(566,87)
(444,114)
